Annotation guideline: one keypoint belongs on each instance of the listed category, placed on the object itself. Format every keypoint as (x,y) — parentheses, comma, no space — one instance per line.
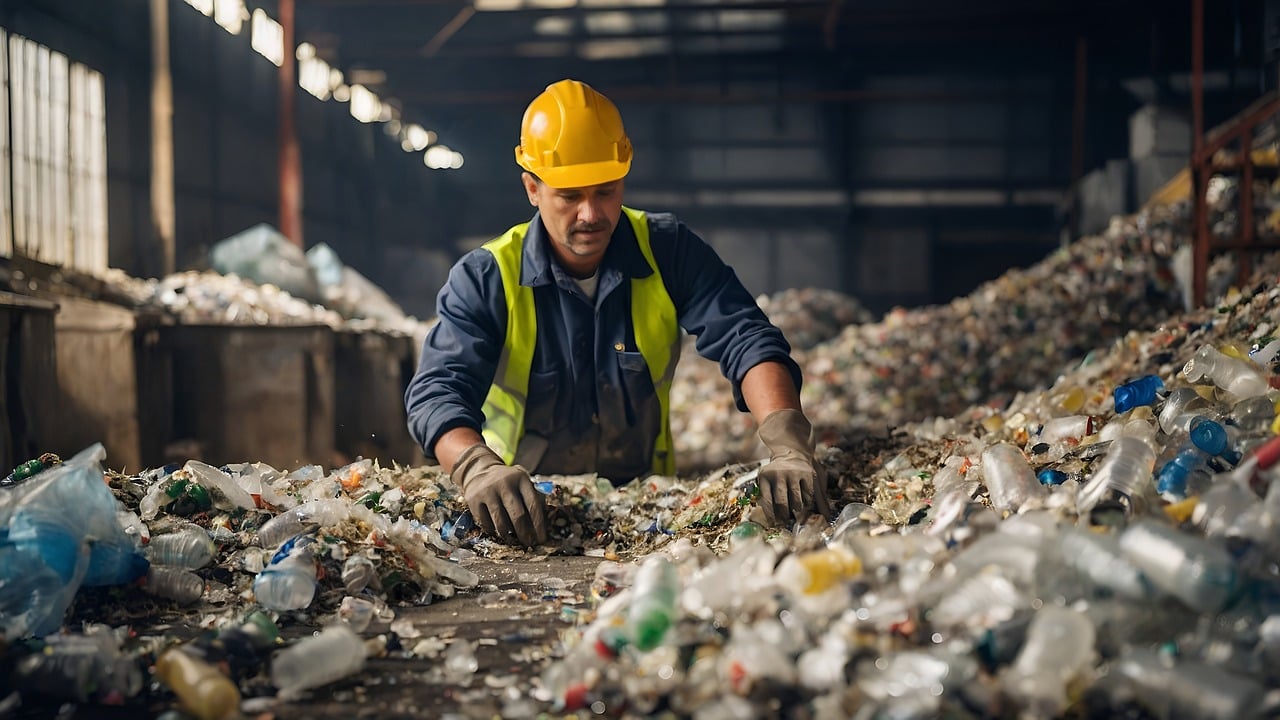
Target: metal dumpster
(253,393)
(97,382)
(28,366)
(374,368)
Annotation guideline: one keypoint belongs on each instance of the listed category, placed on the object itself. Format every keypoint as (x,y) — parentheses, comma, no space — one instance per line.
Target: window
(54,170)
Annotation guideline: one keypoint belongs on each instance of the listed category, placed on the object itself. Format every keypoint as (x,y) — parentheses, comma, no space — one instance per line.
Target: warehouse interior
(983,227)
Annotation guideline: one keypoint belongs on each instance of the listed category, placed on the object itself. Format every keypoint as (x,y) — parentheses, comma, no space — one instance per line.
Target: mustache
(589,228)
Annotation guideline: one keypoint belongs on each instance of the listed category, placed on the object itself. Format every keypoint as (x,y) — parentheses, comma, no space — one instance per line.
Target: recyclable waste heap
(1006,336)
(1105,544)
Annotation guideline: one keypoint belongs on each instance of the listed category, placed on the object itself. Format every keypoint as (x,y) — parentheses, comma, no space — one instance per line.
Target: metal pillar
(290,156)
(159,259)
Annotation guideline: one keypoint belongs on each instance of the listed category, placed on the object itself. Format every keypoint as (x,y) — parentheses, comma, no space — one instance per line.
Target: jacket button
(619,347)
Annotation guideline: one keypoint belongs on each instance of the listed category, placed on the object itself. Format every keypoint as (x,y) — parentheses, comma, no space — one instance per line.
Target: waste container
(374,367)
(97,382)
(254,393)
(28,393)
(154,362)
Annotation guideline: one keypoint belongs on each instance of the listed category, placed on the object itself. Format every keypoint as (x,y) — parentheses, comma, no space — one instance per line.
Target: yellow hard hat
(572,136)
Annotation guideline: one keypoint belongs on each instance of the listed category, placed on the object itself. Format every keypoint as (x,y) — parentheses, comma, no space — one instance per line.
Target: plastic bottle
(289,582)
(1206,439)
(1174,688)
(1097,557)
(357,573)
(188,547)
(202,690)
(1253,415)
(1124,473)
(336,652)
(1238,377)
(653,603)
(181,586)
(288,524)
(1072,427)
(1008,476)
(1136,393)
(1059,648)
(1198,572)
(1180,407)
(815,572)
(78,667)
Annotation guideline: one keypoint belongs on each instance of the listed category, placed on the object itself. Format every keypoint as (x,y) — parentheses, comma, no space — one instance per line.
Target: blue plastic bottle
(1208,439)
(1143,391)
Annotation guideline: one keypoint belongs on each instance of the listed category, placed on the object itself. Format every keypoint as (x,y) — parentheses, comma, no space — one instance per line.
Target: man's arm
(452,444)
(768,387)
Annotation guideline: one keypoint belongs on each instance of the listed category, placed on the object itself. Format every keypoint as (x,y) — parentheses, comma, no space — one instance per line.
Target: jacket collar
(622,255)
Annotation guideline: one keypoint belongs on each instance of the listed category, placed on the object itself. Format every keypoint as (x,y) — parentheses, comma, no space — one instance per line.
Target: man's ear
(530,187)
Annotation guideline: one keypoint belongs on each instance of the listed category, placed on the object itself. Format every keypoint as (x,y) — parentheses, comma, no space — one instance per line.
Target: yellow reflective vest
(657,335)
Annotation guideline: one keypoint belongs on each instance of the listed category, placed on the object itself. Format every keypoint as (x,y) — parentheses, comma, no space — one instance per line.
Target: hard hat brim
(583,175)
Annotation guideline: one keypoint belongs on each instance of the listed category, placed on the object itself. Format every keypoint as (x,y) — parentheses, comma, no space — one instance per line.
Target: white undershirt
(589,285)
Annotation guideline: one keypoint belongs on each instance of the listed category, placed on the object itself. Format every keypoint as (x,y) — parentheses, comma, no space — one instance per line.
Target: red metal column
(290,157)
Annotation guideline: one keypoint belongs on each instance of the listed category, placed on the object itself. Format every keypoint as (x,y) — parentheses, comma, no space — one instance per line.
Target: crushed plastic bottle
(289,582)
(333,654)
(181,586)
(187,547)
(1059,648)
(1010,479)
(1194,570)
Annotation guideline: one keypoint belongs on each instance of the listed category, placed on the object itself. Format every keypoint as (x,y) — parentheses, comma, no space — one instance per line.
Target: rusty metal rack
(1228,149)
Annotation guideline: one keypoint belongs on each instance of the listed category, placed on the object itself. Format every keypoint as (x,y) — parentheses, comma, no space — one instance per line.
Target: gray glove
(792,483)
(502,498)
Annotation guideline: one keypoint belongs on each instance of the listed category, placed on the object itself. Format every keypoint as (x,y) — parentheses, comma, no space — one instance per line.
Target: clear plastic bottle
(653,603)
(1240,378)
(289,582)
(1059,648)
(201,688)
(335,653)
(1124,473)
(1205,440)
(1009,478)
(1175,688)
(1253,415)
(181,586)
(1072,427)
(357,573)
(188,547)
(1097,557)
(1180,407)
(1136,393)
(1198,572)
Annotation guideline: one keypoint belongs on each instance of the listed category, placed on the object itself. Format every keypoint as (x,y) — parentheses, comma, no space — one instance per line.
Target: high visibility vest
(657,334)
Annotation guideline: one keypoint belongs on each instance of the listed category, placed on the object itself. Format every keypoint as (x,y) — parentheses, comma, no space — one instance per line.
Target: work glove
(792,483)
(502,498)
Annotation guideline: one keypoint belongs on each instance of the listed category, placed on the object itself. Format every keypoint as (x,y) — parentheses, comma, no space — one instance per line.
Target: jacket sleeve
(713,305)
(460,354)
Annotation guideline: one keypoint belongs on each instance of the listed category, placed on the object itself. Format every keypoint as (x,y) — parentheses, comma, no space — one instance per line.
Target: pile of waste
(1105,547)
(1007,336)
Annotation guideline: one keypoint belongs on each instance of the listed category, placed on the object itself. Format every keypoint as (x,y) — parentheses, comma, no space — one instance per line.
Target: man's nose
(589,212)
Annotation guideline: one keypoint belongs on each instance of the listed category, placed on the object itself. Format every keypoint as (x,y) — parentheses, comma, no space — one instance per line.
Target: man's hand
(792,483)
(502,498)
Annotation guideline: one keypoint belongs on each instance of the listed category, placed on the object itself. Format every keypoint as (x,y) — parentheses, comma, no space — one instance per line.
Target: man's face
(580,221)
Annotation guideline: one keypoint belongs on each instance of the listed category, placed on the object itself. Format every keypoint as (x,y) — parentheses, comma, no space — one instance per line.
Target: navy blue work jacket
(590,394)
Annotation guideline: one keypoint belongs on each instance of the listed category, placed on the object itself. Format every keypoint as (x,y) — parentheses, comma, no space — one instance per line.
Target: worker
(557,341)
